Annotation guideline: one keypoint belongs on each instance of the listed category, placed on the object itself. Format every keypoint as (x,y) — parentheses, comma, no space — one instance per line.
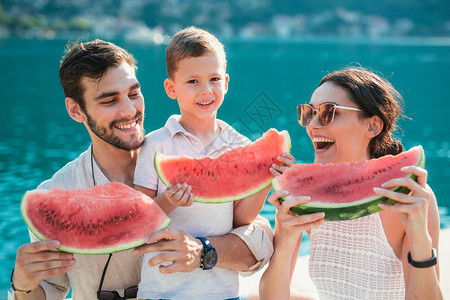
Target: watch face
(209,259)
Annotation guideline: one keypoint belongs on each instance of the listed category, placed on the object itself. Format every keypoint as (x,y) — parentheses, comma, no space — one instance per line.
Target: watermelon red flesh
(345,190)
(103,219)
(235,174)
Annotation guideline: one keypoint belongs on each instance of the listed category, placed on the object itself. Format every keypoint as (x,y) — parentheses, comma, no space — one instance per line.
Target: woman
(350,117)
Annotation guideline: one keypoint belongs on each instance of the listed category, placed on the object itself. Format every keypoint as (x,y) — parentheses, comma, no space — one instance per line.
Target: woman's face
(347,137)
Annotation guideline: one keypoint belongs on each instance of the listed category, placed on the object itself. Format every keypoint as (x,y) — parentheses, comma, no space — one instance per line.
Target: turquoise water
(267,81)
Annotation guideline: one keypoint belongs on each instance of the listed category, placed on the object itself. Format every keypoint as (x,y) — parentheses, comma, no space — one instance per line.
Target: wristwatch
(424,264)
(209,255)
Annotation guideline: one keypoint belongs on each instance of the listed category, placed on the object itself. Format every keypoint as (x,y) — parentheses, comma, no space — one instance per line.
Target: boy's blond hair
(191,42)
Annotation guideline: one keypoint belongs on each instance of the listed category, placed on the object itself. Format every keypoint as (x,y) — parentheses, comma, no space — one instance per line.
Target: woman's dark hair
(91,60)
(375,96)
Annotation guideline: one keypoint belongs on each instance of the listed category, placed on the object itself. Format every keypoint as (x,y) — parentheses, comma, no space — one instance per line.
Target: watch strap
(14,288)
(206,244)
(206,247)
(424,264)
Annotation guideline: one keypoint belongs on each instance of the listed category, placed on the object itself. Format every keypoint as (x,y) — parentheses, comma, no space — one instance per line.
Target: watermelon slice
(103,219)
(344,191)
(235,174)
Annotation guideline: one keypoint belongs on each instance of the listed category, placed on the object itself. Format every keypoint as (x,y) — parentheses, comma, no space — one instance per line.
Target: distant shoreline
(384,41)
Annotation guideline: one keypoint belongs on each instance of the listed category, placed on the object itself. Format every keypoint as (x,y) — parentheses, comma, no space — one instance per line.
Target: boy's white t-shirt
(199,219)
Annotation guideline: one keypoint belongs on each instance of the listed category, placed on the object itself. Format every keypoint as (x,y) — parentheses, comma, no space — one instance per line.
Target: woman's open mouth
(322,144)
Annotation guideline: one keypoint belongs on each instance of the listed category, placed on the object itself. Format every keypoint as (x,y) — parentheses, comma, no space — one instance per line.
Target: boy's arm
(246,210)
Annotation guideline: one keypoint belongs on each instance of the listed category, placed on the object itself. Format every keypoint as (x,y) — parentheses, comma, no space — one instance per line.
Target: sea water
(268,79)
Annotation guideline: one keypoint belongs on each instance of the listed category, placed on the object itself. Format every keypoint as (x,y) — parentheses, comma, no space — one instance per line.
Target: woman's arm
(276,280)
(418,213)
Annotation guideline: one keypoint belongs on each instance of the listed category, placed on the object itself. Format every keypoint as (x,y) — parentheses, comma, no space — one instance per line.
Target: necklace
(98,165)
(92,165)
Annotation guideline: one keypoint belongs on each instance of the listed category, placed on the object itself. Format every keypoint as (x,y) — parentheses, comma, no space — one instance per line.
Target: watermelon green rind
(111,249)
(27,220)
(160,156)
(241,196)
(286,149)
(348,211)
(156,160)
(108,250)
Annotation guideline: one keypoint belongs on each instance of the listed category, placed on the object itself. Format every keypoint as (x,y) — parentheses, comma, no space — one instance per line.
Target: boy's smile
(199,85)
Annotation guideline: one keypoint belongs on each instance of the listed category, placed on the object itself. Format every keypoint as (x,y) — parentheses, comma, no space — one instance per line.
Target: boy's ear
(170,88)
(74,110)
(374,126)
(227,79)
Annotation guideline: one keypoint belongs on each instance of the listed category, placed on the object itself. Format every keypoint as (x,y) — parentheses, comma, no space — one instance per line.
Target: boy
(196,66)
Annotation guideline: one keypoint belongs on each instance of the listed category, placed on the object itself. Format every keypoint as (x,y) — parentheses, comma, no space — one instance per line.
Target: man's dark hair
(91,60)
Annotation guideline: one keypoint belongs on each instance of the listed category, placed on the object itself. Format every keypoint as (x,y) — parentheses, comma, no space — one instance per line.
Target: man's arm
(232,252)
(258,237)
(245,248)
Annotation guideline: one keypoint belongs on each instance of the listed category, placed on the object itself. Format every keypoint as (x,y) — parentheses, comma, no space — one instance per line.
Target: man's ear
(227,79)
(74,110)
(374,126)
(169,86)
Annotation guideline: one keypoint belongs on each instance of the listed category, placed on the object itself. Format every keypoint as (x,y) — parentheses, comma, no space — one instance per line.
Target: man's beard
(110,138)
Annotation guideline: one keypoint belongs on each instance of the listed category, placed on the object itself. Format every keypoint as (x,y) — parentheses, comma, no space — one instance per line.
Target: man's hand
(179,248)
(37,261)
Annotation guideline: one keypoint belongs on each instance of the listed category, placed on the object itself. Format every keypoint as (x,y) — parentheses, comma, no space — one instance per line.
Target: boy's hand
(180,195)
(286,161)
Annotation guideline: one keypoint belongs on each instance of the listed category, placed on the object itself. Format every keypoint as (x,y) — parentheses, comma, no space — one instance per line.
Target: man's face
(114,108)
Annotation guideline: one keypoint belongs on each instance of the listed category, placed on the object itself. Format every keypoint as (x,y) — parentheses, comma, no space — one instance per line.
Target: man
(103,93)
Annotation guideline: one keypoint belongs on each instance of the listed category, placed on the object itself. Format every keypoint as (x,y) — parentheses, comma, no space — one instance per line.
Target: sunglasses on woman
(129,293)
(325,113)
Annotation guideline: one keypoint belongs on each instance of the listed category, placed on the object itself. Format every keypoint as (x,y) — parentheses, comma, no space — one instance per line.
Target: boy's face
(114,109)
(199,84)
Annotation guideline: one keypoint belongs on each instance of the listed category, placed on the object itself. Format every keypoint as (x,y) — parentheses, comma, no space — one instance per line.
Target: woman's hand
(290,226)
(412,208)
(286,161)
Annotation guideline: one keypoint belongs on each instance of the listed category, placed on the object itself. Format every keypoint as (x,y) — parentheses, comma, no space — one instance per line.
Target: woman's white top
(354,260)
